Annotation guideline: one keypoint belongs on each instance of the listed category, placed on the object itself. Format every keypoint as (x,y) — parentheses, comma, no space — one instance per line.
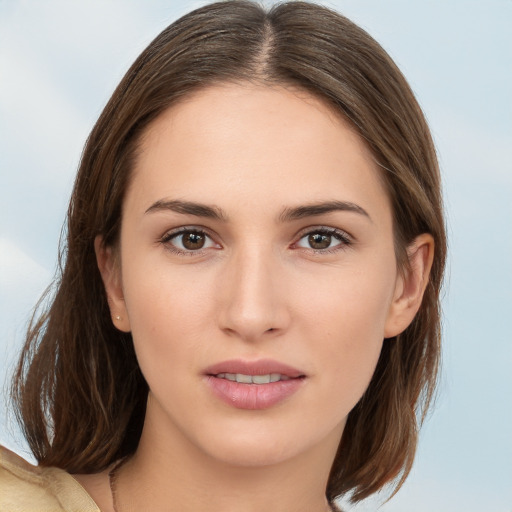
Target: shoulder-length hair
(79,392)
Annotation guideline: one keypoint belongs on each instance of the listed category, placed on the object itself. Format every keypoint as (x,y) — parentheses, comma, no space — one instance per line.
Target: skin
(257,289)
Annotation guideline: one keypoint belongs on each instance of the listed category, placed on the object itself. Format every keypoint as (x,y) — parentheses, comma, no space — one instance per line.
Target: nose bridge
(253,303)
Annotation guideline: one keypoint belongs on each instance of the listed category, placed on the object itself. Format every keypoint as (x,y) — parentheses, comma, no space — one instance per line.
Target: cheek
(346,322)
(349,303)
(170,316)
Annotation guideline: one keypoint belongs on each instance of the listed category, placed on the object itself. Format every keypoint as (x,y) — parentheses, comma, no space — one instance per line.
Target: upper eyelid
(327,229)
(185,229)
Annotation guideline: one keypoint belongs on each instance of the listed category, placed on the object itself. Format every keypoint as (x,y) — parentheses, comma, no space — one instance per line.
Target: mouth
(252,379)
(253,384)
(261,371)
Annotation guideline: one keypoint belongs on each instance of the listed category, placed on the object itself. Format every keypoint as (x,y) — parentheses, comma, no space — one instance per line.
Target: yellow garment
(27,488)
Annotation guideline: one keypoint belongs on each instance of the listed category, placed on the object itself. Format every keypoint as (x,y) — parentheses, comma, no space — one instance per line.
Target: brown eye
(189,241)
(319,241)
(324,240)
(193,241)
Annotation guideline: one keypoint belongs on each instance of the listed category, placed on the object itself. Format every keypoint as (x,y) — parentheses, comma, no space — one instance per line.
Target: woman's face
(257,273)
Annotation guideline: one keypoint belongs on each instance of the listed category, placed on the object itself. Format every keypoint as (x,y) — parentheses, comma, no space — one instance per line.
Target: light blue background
(60,61)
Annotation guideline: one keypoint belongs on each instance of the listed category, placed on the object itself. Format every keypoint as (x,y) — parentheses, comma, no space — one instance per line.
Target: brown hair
(79,392)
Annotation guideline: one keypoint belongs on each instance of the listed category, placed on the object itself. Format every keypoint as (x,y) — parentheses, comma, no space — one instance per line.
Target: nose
(254,300)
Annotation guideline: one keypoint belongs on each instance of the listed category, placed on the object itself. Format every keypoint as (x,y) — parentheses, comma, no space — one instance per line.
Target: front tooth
(245,379)
(261,379)
(230,376)
(274,377)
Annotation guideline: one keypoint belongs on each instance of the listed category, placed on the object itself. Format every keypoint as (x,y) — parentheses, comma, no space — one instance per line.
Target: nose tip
(253,305)
(250,334)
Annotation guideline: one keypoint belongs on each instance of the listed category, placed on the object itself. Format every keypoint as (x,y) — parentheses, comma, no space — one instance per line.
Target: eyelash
(344,239)
(166,240)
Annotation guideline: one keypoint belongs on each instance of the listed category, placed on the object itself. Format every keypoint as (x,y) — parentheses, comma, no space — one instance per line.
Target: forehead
(257,144)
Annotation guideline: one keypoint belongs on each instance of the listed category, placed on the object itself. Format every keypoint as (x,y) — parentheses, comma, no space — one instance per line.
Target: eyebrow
(287,215)
(188,207)
(315,209)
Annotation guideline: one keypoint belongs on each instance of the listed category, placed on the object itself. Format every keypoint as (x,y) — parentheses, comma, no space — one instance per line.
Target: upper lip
(257,367)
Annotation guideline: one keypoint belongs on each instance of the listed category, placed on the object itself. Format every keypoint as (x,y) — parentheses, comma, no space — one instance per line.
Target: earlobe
(411,285)
(108,266)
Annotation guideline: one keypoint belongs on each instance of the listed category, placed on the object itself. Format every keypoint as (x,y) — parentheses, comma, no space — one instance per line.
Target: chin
(258,443)
(254,453)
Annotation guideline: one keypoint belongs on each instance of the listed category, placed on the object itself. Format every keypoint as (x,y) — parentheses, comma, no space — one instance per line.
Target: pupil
(319,241)
(193,241)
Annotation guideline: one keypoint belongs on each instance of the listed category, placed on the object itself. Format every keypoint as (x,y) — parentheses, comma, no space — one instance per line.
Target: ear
(410,286)
(110,271)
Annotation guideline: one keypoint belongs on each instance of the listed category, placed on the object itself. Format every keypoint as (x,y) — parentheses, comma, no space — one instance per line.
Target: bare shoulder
(27,488)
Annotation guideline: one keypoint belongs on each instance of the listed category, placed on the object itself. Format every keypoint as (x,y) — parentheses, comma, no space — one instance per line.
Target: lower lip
(253,396)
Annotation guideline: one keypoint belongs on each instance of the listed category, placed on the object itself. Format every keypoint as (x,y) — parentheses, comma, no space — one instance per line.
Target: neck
(168,473)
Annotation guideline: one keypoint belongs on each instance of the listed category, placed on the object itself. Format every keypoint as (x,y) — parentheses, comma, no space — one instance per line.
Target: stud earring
(118,317)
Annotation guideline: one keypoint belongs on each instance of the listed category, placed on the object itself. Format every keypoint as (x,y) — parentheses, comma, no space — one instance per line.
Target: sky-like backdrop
(59,63)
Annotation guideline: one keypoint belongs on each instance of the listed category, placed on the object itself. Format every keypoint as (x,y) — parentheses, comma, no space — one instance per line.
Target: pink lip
(253,396)
(258,367)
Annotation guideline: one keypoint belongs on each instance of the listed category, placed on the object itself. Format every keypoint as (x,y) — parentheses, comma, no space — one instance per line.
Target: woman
(248,313)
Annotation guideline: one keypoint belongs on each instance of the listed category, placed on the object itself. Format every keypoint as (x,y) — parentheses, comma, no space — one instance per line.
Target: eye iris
(193,241)
(319,241)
